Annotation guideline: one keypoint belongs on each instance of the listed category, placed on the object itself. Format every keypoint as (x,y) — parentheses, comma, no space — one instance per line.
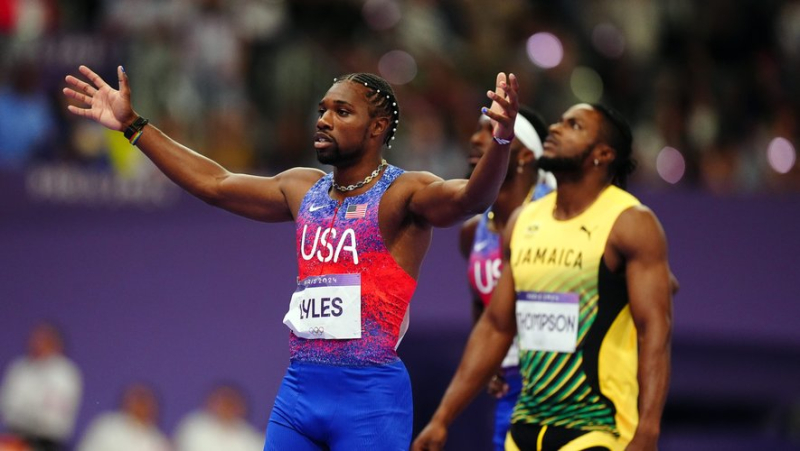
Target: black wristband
(137,126)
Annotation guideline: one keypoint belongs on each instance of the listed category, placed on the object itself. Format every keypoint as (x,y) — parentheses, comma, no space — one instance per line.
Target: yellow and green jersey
(579,367)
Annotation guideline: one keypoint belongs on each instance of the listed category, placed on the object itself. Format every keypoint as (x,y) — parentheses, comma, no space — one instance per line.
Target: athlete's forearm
(490,172)
(654,372)
(484,353)
(191,171)
(484,184)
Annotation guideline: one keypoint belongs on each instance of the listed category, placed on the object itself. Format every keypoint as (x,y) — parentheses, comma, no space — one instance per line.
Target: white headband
(526,134)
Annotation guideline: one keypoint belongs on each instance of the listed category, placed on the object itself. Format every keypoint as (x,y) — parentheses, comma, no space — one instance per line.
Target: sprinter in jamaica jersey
(587,288)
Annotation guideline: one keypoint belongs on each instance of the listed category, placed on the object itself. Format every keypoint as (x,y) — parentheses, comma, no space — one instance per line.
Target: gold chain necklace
(358,185)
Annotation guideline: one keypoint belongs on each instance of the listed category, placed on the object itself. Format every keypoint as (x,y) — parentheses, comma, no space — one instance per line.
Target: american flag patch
(355,211)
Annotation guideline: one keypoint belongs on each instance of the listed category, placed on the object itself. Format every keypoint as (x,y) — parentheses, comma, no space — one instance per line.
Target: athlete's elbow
(655,333)
(209,192)
(470,205)
(498,324)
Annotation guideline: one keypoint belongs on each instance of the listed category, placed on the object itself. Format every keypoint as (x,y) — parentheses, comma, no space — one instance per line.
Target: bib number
(326,307)
(547,321)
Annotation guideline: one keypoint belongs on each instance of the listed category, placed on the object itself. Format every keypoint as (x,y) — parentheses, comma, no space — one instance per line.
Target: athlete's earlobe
(379,126)
(605,154)
(525,155)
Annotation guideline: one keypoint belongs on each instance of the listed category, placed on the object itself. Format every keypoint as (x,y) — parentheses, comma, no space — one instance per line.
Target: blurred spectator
(220,425)
(28,119)
(41,392)
(714,82)
(133,428)
(213,56)
(27,20)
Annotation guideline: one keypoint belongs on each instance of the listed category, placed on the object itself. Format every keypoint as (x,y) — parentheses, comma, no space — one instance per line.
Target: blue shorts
(326,407)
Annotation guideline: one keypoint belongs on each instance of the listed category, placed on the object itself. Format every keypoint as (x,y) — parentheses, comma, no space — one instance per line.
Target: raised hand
(505,105)
(106,105)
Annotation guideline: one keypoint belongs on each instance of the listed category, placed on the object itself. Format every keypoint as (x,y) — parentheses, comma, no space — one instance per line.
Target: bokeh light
(397,67)
(670,165)
(586,84)
(608,40)
(381,14)
(545,50)
(781,155)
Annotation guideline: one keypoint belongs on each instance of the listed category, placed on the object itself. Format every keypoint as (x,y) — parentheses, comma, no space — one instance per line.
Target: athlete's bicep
(438,202)
(642,243)
(268,199)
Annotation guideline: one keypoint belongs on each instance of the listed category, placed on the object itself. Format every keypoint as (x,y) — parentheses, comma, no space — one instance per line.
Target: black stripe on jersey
(612,291)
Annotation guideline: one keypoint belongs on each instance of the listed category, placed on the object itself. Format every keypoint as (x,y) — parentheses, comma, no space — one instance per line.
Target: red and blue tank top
(344,238)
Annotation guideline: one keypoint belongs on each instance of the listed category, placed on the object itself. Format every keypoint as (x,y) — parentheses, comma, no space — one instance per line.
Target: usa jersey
(344,238)
(484,260)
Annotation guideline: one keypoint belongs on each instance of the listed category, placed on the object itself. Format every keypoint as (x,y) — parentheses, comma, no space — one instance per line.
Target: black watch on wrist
(137,126)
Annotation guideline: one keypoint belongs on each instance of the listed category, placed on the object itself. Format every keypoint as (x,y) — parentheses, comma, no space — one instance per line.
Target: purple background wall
(185,296)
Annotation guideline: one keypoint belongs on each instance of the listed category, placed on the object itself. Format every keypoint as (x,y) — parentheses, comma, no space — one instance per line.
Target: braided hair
(380,96)
(616,132)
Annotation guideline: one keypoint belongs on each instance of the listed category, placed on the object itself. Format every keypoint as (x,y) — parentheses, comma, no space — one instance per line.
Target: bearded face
(563,163)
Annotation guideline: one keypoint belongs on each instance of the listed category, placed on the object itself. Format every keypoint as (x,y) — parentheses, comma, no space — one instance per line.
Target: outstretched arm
(641,241)
(261,198)
(444,202)
(487,346)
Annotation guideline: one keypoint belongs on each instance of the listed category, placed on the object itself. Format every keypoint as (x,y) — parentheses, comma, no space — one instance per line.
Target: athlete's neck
(572,199)
(342,177)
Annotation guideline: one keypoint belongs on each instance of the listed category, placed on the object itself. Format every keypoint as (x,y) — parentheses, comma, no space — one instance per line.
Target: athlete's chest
(562,246)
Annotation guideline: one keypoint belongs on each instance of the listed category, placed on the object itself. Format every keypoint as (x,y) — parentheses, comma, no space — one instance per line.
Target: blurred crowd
(41,393)
(711,88)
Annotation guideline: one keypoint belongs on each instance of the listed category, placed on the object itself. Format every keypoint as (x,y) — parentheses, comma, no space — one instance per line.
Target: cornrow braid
(617,134)
(381,96)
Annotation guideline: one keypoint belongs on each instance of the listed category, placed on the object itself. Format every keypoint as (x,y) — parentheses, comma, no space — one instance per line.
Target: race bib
(326,307)
(547,321)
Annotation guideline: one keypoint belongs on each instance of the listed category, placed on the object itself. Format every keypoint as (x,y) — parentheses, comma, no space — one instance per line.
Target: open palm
(505,105)
(106,105)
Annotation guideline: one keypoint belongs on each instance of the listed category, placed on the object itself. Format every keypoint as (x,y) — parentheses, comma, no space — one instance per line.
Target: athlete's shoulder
(301,174)
(637,227)
(418,179)
(410,182)
(298,180)
(635,215)
(621,196)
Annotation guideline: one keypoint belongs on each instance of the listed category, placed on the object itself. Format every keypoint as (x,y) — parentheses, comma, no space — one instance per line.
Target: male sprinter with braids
(362,232)
(480,240)
(587,287)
